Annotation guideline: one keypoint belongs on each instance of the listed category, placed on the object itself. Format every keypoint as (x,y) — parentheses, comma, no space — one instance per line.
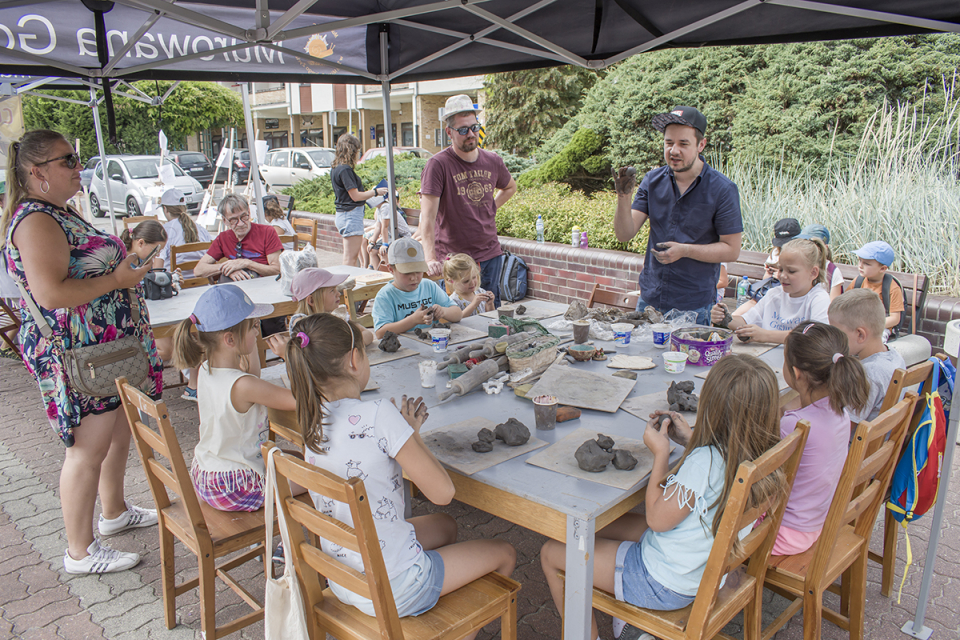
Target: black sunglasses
(463,130)
(71,160)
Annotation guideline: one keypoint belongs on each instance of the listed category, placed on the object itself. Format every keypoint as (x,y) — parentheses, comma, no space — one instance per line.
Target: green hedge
(563,208)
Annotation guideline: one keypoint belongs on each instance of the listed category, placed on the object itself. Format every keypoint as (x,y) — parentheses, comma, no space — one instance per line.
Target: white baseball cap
(406,256)
(458,104)
(173,198)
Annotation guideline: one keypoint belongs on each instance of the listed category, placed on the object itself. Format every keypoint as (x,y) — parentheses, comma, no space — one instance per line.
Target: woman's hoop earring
(44,183)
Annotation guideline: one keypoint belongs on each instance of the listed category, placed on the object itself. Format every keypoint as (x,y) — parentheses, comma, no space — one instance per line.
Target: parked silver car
(288,165)
(132,178)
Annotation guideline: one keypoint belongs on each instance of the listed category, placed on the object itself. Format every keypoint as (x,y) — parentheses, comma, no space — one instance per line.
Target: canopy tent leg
(252,149)
(388,128)
(103,158)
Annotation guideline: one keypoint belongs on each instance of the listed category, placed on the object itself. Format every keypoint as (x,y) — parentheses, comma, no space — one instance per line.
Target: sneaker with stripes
(101,559)
(133,518)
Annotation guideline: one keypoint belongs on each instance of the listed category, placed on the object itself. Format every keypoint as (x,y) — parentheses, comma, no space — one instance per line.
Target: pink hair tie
(304,339)
(193,319)
(836,357)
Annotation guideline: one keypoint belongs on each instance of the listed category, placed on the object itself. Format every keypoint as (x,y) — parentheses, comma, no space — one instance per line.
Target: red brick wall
(562,273)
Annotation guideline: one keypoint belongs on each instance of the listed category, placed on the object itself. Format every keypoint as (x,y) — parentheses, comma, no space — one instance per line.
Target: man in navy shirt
(694,214)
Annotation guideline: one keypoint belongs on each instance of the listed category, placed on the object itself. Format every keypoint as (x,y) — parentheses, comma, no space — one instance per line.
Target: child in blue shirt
(410,301)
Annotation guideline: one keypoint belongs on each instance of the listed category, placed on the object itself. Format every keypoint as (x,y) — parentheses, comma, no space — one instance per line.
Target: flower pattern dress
(93,253)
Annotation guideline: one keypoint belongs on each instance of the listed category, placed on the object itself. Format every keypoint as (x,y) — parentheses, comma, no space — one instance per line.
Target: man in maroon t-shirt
(251,249)
(458,207)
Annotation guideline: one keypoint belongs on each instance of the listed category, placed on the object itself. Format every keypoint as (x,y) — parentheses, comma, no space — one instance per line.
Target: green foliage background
(192,107)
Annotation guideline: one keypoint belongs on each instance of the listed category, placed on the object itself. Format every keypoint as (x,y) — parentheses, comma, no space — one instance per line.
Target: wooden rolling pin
(472,379)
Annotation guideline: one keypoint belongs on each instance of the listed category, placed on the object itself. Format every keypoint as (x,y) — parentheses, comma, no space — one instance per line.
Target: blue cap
(815,231)
(226,305)
(877,250)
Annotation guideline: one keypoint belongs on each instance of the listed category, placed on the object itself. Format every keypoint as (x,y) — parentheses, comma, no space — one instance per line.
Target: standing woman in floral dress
(79,278)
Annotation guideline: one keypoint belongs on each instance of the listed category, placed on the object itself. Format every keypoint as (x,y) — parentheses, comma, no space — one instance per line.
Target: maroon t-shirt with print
(260,242)
(466,219)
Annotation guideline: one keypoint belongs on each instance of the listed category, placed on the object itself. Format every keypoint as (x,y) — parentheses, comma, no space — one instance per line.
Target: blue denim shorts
(350,223)
(633,584)
(415,591)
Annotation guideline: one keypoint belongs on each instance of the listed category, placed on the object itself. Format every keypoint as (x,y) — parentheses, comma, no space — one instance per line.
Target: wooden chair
(210,534)
(356,300)
(841,551)
(310,235)
(612,299)
(132,221)
(290,238)
(188,265)
(457,614)
(743,565)
(902,379)
(9,326)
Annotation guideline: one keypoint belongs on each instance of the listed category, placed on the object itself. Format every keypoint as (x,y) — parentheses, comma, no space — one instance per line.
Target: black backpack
(513,278)
(157,285)
(903,328)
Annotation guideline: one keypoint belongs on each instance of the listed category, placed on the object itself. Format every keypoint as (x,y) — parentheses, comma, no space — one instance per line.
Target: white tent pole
(103,158)
(252,149)
(387,128)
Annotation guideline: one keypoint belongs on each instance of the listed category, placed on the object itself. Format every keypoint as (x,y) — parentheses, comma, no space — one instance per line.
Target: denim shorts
(633,584)
(350,223)
(415,591)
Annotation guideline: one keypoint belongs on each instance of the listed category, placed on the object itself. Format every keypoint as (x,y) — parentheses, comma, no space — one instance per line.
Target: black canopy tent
(369,41)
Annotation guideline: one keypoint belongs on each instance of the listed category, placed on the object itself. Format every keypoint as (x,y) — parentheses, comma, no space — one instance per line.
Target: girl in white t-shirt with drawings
(375,441)
(796,300)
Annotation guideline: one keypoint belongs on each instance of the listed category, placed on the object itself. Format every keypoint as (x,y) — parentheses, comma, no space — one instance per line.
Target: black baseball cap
(688,116)
(784,231)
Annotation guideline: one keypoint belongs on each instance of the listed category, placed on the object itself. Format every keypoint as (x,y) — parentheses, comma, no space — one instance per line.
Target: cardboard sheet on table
(643,406)
(277,374)
(376,356)
(559,457)
(582,389)
(458,333)
(535,310)
(452,446)
(752,348)
(781,383)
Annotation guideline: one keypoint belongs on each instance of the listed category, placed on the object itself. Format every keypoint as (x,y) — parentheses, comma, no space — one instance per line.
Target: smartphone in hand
(150,256)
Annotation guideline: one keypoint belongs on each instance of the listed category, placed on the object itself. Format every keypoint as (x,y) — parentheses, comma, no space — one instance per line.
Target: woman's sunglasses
(71,160)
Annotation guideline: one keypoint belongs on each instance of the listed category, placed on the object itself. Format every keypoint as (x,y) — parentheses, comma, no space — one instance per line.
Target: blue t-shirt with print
(392,305)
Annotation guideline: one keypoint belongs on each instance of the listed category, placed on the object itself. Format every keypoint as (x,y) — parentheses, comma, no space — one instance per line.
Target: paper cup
(428,374)
(661,335)
(440,338)
(674,361)
(545,412)
(581,331)
(621,333)
(507,310)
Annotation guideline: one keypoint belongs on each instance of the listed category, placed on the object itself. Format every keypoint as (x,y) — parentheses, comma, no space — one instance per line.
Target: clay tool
(473,378)
(459,356)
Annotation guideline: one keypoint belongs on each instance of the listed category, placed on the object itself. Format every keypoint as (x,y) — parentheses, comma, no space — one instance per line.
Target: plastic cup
(440,338)
(581,331)
(545,412)
(621,333)
(674,361)
(661,335)
(507,310)
(428,374)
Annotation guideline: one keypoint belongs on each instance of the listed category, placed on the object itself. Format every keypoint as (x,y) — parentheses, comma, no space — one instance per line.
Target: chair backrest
(904,379)
(132,221)
(311,562)
(285,202)
(727,554)
(612,299)
(163,441)
(306,229)
(188,265)
(864,481)
(288,238)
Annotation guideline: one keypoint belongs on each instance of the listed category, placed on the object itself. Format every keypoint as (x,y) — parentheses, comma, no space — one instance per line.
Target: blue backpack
(513,278)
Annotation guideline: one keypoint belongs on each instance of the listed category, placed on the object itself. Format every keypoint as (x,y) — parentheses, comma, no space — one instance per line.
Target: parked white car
(133,181)
(288,165)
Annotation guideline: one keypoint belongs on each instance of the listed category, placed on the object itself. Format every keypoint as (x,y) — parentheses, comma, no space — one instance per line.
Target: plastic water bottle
(575,237)
(539,228)
(743,290)
(583,240)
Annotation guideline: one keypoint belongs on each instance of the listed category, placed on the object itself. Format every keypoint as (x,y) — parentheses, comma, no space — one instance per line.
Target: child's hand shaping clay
(678,429)
(413,411)
(655,437)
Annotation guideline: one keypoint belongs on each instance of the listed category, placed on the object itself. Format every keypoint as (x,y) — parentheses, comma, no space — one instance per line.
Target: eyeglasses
(239,250)
(463,130)
(71,160)
(235,221)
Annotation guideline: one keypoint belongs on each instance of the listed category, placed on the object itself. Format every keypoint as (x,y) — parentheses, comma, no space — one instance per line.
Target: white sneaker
(133,518)
(102,559)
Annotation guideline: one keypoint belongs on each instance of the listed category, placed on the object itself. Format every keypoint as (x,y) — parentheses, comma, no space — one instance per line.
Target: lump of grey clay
(485,435)
(390,342)
(590,457)
(623,460)
(663,418)
(482,446)
(520,310)
(680,396)
(605,442)
(743,338)
(513,432)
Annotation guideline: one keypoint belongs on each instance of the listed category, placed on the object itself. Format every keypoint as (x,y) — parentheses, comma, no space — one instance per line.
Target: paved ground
(38,600)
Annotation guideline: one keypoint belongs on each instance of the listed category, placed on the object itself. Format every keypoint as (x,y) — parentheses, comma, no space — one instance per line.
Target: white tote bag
(284,615)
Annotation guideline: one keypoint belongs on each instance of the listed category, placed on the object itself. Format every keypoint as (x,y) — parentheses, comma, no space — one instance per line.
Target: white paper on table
(223,160)
(167,176)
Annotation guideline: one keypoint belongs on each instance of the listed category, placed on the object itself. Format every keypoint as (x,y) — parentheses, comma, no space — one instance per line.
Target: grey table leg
(578,590)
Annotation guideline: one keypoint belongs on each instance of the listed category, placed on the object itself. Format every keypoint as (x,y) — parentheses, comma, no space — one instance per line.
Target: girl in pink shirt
(819,367)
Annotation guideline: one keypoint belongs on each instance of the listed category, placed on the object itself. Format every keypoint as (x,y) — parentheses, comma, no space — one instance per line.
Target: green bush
(581,163)
(515,164)
(563,208)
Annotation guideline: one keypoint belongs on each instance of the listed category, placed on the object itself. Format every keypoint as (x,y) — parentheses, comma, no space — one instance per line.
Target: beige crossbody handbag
(93,369)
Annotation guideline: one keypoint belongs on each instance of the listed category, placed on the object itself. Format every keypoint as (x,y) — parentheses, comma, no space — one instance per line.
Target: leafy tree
(524,108)
(192,107)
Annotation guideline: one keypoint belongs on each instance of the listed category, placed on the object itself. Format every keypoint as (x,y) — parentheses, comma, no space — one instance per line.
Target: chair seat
(789,572)
(482,598)
(227,528)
